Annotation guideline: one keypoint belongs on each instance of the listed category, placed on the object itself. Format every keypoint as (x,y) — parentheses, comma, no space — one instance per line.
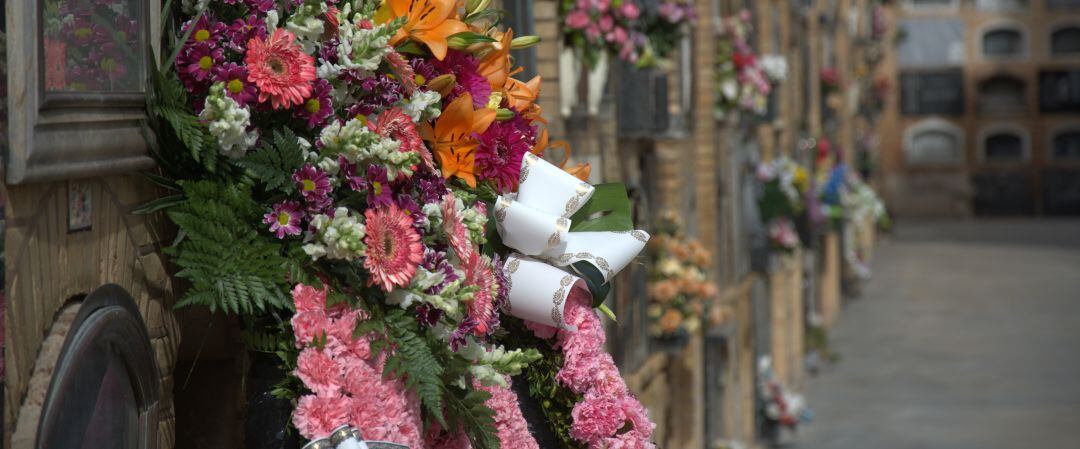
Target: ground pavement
(967,337)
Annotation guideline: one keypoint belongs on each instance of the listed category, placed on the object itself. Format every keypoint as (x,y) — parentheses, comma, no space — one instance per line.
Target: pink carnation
(316,416)
(309,325)
(597,417)
(319,372)
(512,428)
(308,298)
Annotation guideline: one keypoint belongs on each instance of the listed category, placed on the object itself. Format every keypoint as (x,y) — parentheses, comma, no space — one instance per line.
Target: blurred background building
(985,117)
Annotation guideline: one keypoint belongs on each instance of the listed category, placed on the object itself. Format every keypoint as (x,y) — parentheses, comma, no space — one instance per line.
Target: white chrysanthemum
(228,122)
(775,67)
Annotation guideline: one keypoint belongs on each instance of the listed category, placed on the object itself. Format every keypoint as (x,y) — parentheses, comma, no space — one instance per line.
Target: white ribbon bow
(535,221)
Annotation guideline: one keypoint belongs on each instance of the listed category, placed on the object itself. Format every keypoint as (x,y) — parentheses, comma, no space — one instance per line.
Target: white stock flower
(228,122)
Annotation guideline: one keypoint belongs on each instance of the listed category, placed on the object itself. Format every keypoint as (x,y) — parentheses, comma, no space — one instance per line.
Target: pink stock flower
(315,416)
(319,372)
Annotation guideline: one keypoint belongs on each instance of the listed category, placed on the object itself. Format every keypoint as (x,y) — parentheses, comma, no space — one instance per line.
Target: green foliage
(415,362)
(275,162)
(607,210)
(466,409)
(230,266)
(774,203)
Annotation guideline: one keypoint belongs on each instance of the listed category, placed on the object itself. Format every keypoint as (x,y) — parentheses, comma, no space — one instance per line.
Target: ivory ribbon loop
(536,222)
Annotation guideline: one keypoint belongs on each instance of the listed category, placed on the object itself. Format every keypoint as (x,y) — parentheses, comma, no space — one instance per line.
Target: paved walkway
(967,337)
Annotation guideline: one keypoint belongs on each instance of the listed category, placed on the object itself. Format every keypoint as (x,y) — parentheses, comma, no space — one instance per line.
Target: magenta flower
(577,19)
(284,219)
(204,30)
(197,64)
(466,71)
(629,10)
(243,30)
(377,186)
(237,86)
(498,157)
(318,107)
(312,183)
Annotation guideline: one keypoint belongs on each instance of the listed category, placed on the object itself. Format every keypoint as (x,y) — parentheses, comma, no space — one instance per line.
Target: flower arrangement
(862,208)
(665,28)
(595,27)
(779,405)
(830,80)
(741,82)
(91,46)
(679,292)
(783,186)
(341,172)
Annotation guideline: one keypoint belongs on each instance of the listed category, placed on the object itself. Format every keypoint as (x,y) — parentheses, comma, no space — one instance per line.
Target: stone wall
(47,266)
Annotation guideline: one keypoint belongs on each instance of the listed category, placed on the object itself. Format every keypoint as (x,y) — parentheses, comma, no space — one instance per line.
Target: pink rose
(319,372)
(315,416)
(606,23)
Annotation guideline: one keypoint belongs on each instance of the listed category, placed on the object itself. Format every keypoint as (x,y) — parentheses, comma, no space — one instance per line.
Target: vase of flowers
(680,292)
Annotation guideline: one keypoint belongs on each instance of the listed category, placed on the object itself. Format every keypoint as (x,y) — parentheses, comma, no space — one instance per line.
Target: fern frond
(275,162)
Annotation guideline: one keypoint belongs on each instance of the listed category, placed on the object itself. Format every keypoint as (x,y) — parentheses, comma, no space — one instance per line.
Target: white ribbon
(535,221)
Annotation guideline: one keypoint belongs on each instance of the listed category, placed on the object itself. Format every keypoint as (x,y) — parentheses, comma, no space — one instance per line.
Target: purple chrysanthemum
(313,185)
(502,296)
(377,185)
(378,92)
(204,30)
(237,86)
(284,219)
(318,107)
(430,187)
(498,157)
(348,174)
(243,30)
(197,64)
(436,262)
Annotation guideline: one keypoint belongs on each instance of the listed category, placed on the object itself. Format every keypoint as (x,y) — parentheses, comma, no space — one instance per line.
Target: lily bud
(473,6)
(502,114)
(521,42)
(458,43)
(442,84)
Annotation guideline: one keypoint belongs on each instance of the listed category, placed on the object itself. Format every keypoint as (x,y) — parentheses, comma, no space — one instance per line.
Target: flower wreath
(356,153)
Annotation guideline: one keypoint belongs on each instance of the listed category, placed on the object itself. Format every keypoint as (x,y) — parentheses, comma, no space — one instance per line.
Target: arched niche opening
(1002,95)
(933,142)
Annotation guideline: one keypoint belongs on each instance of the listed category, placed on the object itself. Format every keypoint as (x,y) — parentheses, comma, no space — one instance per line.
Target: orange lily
(580,171)
(453,137)
(522,97)
(495,65)
(429,22)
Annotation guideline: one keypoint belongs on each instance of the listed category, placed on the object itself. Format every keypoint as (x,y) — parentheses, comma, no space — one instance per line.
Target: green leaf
(415,362)
(275,162)
(594,280)
(607,210)
(164,202)
(468,410)
(464,39)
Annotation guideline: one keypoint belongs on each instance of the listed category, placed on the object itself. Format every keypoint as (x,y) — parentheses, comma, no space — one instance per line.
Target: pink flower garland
(348,386)
(608,406)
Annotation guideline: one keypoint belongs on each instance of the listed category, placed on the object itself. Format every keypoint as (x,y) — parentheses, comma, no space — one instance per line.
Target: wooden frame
(68,135)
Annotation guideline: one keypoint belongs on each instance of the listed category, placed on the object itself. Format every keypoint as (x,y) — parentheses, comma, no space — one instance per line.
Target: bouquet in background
(783,186)
(597,26)
(680,292)
(741,82)
(665,28)
(779,405)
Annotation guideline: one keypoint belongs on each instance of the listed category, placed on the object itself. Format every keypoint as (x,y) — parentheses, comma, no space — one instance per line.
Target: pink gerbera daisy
(394,248)
(479,273)
(394,124)
(281,70)
(284,219)
(454,228)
